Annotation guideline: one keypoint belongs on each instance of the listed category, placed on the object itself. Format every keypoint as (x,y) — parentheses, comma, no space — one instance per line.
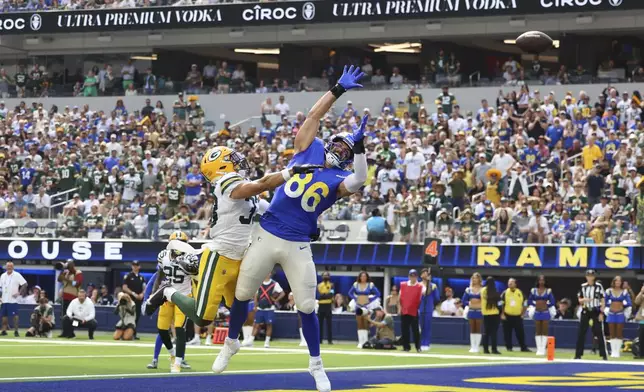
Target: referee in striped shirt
(591,299)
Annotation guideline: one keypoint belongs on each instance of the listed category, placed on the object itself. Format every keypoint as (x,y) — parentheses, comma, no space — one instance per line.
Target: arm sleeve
(92,312)
(148,288)
(435,293)
(375,293)
(356,180)
(466,298)
(551,298)
(278,289)
(531,298)
(70,308)
(627,301)
(352,292)
(227,183)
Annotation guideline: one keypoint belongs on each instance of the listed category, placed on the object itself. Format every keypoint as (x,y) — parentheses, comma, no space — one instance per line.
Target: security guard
(512,315)
(326,291)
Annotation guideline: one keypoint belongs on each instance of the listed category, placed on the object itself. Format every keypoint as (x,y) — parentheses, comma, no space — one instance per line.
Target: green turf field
(26,358)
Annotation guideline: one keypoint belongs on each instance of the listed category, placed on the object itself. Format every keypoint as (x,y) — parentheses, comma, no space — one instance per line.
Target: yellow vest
(512,302)
(325,288)
(484,309)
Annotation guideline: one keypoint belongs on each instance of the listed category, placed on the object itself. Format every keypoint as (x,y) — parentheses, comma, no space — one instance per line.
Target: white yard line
(125,356)
(284,350)
(257,371)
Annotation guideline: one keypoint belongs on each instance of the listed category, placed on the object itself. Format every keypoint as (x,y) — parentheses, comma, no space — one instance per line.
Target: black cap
(135,262)
(590,272)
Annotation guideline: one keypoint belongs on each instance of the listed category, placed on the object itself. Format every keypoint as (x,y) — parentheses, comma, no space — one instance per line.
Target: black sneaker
(16,334)
(496,352)
(156,300)
(3,333)
(525,350)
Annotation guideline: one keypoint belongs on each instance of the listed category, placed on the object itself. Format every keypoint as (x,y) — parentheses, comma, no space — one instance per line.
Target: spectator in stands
(105,298)
(339,304)
(42,203)
(378,229)
(127,74)
(448,306)
(43,320)
(153,214)
(79,314)
(563,310)
(392,302)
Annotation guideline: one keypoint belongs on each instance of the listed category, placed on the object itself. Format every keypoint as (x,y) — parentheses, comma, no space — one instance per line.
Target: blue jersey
(610,148)
(296,206)
(531,158)
(546,295)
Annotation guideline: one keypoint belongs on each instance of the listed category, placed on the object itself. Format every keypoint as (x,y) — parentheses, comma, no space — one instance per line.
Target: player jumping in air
(290,223)
(234,208)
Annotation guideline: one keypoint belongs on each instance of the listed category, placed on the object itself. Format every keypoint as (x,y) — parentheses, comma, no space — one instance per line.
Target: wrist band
(286,174)
(358,147)
(337,90)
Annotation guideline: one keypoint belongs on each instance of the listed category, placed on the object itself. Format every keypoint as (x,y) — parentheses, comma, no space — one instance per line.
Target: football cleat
(174,368)
(153,365)
(230,348)
(316,369)
(156,299)
(185,365)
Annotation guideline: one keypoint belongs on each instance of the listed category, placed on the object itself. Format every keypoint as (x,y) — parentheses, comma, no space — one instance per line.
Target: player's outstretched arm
(269,181)
(356,180)
(349,79)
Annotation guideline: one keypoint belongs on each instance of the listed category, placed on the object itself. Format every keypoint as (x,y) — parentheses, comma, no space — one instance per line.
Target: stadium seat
(340,233)
(7,228)
(165,230)
(49,230)
(193,229)
(28,230)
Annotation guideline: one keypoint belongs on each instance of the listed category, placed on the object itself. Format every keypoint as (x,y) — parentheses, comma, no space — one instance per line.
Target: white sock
(472,341)
(177,361)
(172,351)
(315,360)
(268,339)
(208,338)
(537,342)
(167,293)
(478,338)
(544,344)
(618,347)
(248,331)
(302,336)
(251,338)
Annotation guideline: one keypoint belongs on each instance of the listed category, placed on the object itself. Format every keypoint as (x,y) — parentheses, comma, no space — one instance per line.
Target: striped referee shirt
(595,292)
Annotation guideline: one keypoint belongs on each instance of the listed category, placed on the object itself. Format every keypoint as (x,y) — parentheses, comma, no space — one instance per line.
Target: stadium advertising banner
(543,256)
(393,255)
(292,12)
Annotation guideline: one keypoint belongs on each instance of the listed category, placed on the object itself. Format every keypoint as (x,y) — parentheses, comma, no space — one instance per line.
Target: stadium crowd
(524,167)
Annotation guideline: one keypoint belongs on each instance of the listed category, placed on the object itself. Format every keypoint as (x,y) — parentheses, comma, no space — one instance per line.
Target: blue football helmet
(337,153)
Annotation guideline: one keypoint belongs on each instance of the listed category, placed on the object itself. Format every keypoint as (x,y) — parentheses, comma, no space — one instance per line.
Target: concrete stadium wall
(237,107)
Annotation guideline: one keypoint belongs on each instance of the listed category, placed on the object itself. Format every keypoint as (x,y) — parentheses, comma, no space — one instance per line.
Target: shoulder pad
(468,290)
(162,255)
(433,286)
(549,291)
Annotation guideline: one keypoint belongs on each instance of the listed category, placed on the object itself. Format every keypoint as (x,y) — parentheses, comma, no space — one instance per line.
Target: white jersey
(173,273)
(231,220)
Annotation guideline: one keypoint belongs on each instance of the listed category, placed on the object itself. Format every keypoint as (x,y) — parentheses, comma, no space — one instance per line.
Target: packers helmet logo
(216,153)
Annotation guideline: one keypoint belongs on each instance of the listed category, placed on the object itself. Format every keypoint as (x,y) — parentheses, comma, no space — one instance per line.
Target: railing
(478,77)
(61,202)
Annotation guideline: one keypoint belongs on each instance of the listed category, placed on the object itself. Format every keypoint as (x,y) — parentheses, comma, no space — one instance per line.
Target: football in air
(534,42)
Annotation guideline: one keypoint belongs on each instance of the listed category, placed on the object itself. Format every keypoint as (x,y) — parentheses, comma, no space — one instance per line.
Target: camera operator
(385,336)
(80,314)
(43,320)
(126,327)
(134,285)
(72,280)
